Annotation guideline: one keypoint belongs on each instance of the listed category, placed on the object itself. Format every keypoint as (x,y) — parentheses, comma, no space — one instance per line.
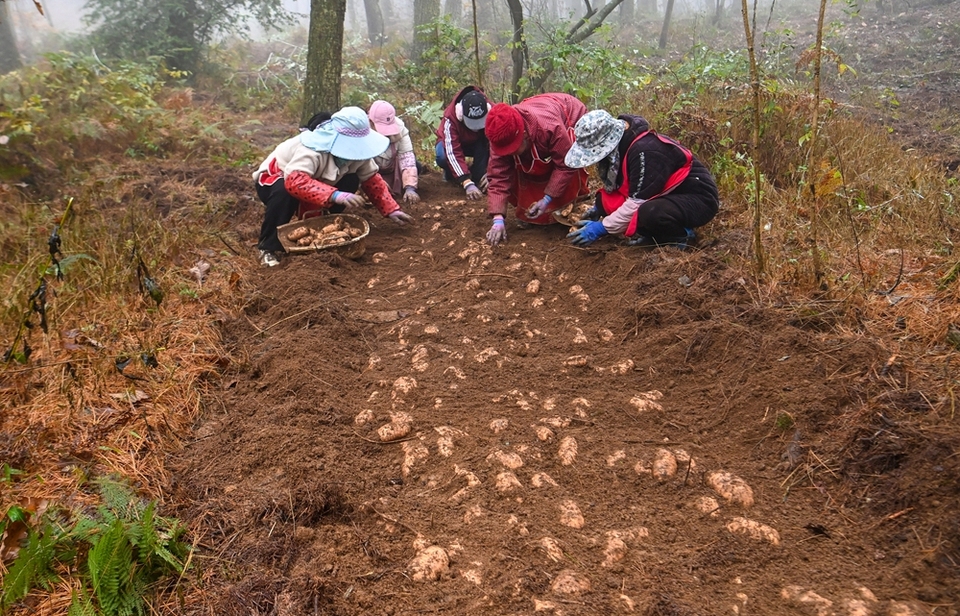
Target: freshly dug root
(731,487)
(575,211)
(754,529)
(298,233)
(552,547)
(567,451)
(664,465)
(334,234)
(570,514)
(430,564)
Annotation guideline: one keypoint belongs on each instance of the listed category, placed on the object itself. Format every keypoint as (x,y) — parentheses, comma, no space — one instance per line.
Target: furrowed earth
(444,427)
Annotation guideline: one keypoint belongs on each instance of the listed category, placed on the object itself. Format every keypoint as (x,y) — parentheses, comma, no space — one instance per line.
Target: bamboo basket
(352,248)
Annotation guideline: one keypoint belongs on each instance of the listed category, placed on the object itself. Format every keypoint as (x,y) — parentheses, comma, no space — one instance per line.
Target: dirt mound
(572,431)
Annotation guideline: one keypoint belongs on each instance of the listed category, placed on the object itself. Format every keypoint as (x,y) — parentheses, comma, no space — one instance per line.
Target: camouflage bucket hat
(597,133)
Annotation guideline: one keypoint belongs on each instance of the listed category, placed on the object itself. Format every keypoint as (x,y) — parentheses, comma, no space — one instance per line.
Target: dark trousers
(479,151)
(281,206)
(693,204)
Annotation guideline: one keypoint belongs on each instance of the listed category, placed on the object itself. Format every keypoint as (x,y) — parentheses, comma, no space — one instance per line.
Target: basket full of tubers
(344,233)
(570,215)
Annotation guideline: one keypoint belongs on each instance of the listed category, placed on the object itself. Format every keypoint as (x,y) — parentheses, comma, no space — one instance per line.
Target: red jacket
(548,120)
(454,134)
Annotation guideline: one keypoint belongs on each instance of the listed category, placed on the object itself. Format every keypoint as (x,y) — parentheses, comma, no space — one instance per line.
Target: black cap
(474,105)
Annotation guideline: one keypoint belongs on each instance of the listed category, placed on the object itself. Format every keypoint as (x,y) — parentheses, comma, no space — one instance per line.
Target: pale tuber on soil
(336,233)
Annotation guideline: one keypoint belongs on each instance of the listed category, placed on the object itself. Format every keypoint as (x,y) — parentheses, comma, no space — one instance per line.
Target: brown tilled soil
(568,410)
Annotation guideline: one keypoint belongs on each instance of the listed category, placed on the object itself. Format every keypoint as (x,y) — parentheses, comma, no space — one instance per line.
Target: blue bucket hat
(597,133)
(346,135)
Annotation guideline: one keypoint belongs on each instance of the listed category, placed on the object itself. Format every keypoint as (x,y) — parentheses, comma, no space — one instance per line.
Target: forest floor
(591,431)
(608,430)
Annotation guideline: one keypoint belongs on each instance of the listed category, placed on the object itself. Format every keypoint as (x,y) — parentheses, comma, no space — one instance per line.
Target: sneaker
(268,259)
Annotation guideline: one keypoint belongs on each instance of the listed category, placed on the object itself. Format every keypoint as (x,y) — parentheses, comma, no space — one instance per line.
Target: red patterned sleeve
(379,194)
(304,188)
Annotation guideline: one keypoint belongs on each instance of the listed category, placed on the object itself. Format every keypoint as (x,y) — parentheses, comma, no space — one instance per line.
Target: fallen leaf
(199,270)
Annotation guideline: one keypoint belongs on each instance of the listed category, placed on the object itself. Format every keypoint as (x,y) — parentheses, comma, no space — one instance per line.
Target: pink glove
(497,232)
(410,195)
(473,193)
(400,217)
(347,199)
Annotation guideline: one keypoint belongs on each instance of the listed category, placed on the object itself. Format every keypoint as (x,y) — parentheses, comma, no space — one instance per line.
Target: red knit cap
(504,129)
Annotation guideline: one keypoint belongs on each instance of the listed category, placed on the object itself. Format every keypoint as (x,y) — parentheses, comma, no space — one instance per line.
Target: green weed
(116,554)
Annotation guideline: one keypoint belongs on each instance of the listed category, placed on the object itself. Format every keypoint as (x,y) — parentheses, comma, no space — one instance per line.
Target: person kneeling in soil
(460,136)
(398,165)
(655,191)
(304,172)
(528,142)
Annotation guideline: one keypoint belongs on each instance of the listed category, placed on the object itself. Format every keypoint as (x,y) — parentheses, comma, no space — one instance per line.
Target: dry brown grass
(888,218)
(70,415)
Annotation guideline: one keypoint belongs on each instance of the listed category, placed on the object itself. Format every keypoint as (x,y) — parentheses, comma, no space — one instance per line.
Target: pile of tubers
(575,211)
(336,233)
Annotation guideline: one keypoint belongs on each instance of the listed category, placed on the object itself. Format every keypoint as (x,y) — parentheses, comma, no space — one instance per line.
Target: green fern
(127,549)
(31,568)
(119,499)
(81,605)
(110,563)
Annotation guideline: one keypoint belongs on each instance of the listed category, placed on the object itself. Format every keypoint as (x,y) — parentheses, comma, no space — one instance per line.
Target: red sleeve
(379,194)
(560,139)
(449,133)
(304,188)
(501,173)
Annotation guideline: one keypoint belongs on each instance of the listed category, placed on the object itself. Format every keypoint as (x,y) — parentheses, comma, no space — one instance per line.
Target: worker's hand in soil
(539,207)
(349,199)
(410,195)
(594,213)
(400,217)
(587,232)
(497,232)
(473,193)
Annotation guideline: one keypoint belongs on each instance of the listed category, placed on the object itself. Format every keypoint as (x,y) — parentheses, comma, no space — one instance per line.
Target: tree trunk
(424,12)
(666,24)
(485,19)
(553,9)
(454,8)
(517,48)
(627,13)
(9,54)
(718,13)
(647,8)
(321,86)
(375,31)
(350,16)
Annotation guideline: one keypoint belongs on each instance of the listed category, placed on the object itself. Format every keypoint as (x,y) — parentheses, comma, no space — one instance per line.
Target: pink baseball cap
(384,118)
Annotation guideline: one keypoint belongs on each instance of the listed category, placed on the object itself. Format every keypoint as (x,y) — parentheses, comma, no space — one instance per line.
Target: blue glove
(587,232)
